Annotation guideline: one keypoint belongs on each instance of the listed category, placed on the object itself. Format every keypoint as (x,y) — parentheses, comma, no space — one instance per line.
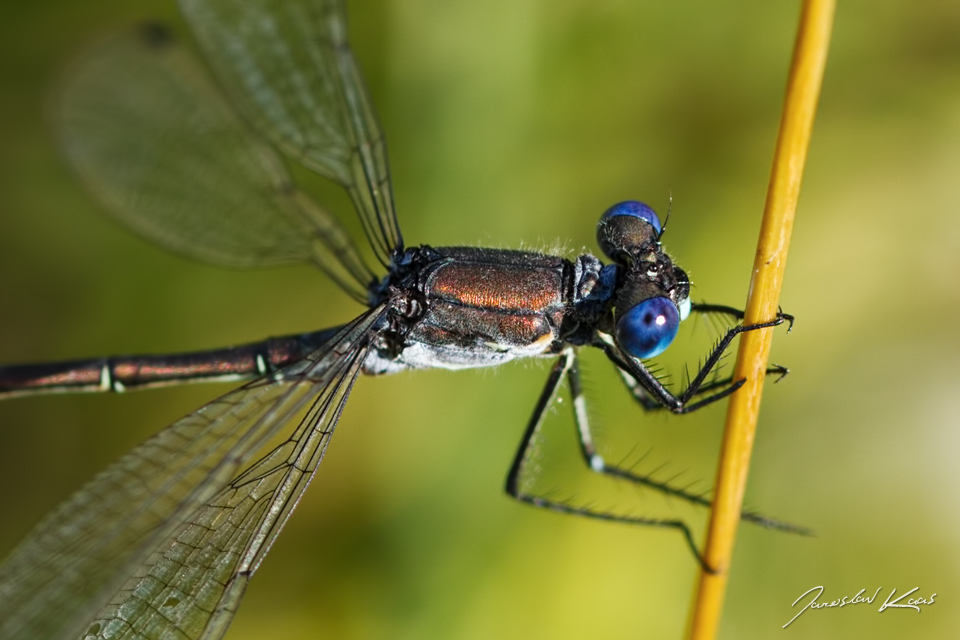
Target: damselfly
(163,542)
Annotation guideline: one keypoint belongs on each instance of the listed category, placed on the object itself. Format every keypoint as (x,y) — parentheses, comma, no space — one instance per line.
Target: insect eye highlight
(648,328)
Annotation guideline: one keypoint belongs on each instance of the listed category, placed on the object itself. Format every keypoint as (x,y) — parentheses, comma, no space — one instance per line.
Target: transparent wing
(290,70)
(162,543)
(154,139)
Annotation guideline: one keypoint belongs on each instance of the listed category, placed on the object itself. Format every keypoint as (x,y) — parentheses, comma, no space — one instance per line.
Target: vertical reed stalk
(803,90)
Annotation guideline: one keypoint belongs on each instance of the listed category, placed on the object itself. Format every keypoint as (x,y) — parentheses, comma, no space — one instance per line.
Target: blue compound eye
(648,327)
(636,210)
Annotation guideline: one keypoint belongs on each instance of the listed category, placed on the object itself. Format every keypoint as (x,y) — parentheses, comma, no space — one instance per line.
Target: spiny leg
(597,464)
(722,309)
(649,403)
(566,366)
(655,393)
(649,399)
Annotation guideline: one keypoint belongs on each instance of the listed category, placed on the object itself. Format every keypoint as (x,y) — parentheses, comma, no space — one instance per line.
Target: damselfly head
(652,293)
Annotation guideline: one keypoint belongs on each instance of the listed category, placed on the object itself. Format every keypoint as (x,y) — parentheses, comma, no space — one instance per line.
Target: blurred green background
(517,123)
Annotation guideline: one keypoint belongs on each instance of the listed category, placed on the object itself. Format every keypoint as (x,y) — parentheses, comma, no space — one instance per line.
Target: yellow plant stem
(803,90)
